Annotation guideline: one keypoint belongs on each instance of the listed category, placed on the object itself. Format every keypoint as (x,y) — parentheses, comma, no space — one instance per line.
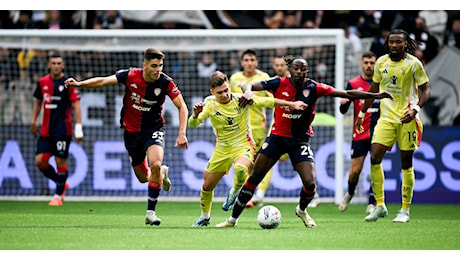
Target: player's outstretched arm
(95,82)
(297,105)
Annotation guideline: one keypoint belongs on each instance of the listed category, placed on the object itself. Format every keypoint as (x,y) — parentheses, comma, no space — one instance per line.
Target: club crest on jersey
(133,85)
(157,91)
(61,88)
(306,92)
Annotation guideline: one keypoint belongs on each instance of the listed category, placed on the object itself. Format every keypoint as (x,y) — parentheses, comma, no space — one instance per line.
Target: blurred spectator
(452,36)
(292,19)
(377,46)
(402,19)
(23,20)
(6,21)
(8,66)
(369,24)
(206,66)
(110,19)
(429,46)
(312,19)
(54,21)
(332,19)
(436,21)
(357,47)
(273,19)
(38,66)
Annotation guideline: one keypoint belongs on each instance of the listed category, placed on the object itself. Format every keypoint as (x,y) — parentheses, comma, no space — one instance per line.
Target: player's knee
(155,167)
(376,159)
(41,161)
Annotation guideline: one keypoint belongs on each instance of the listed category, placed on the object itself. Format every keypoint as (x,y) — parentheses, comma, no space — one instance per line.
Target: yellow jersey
(257,115)
(229,121)
(401,79)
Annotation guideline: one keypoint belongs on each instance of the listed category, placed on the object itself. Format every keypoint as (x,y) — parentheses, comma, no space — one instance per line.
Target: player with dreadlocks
(402,74)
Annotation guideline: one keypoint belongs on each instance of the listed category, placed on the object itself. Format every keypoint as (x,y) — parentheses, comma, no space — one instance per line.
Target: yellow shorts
(408,135)
(222,159)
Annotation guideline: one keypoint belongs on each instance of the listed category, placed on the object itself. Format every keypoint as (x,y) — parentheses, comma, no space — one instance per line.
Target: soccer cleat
(202,222)
(303,215)
(379,212)
(166,181)
(402,216)
(370,208)
(66,186)
(152,219)
(345,202)
(226,223)
(254,202)
(56,201)
(229,201)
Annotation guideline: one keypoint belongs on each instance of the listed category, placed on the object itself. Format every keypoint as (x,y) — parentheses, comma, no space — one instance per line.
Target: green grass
(120,225)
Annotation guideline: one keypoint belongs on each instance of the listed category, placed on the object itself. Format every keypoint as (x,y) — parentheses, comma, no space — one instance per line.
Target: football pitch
(33,225)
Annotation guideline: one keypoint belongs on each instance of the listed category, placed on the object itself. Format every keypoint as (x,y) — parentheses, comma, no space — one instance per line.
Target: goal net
(99,166)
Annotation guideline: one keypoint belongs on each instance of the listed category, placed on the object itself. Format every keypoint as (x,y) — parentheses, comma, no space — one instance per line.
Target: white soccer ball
(269,217)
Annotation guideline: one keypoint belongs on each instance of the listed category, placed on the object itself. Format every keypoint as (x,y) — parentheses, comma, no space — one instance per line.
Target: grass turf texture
(34,225)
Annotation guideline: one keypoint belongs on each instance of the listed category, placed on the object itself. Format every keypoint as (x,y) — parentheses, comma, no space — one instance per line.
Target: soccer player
(234,144)
(290,134)
(402,74)
(257,115)
(361,143)
(281,70)
(143,123)
(55,135)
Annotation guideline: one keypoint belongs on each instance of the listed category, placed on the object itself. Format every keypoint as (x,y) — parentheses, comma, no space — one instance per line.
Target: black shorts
(58,147)
(137,143)
(275,146)
(360,148)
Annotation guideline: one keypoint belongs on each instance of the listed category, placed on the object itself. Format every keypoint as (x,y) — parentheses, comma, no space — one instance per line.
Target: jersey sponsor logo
(291,116)
(394,80)
(140,108)
(157,91)
(50,106)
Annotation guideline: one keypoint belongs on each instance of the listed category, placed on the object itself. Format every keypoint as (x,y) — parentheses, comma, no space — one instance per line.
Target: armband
(416,108)
(361,114)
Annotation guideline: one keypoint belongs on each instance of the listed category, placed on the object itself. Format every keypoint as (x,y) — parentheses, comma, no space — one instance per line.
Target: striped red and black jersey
(143,101)
(295,123)
(57,106)
(373,112)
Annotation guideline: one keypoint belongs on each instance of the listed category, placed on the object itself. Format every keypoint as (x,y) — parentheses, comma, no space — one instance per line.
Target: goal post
(99,165)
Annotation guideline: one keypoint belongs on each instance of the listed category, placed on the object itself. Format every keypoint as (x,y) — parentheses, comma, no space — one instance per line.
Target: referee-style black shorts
(360,148)
(299,151)
(137,143)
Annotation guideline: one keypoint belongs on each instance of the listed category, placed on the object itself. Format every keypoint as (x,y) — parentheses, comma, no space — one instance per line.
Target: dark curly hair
(411,43)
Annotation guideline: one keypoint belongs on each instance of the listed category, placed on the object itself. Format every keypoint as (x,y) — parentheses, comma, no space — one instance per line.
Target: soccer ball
(269,217)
